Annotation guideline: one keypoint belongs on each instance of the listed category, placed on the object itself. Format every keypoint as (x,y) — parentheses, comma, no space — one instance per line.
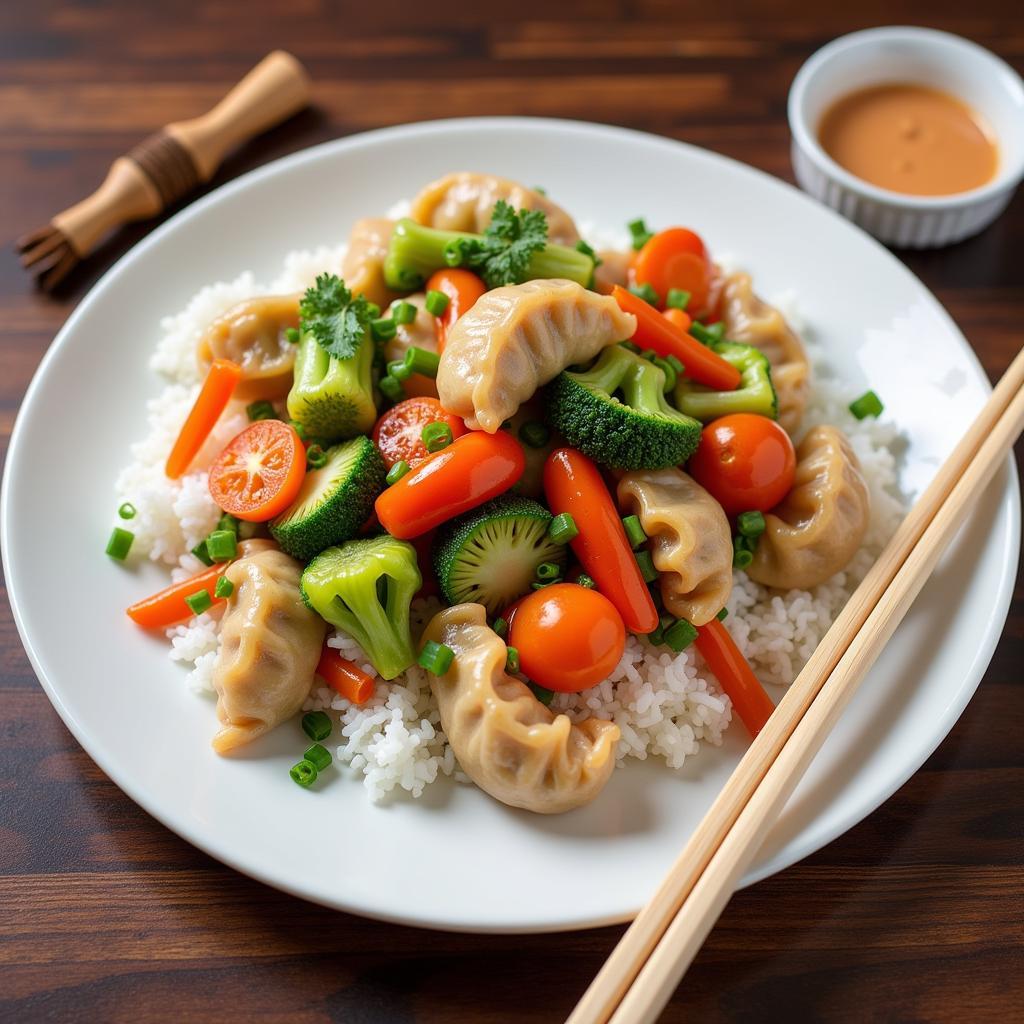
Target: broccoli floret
(755,394)
(365,587)
(617,414)
(332,398)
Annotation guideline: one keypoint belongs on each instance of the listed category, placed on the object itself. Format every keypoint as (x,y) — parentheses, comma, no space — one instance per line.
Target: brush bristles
(48,254)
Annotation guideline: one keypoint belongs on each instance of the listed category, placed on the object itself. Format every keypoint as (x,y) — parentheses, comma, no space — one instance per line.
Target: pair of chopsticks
(646,966)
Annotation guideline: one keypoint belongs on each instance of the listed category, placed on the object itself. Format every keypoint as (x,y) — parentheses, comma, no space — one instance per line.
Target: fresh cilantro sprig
(337,320)
(501,256)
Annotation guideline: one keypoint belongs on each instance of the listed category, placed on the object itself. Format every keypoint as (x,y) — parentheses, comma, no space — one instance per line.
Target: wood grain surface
(914,915)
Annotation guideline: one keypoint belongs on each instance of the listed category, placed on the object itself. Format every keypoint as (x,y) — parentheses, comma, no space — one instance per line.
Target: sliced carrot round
(676,258)
(259,473)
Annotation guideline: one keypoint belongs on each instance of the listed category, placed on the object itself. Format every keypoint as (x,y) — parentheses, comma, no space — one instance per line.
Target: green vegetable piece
(261,410)
(316,725)
(319,756)
(750,524)
(422,361)
(680,635)
(588,250)
(500,627)
(120,543)
(365,587)
(563,528)
(334,318)
(722,615)
(403,312)
(224,587)
(228,522)
(639,233)
(222,545)
(391,388)
(396,472)
(742,556)
(436,302)
(334,501)
(397,369)
(869,404)
(586,581)
(199,601)
(702,333)
(201,552)
(755,393)
(316,458)
(646,292)
(677,298)
(671,376)
(534,433)
(548,572)
(304,773)
(543,695)
(616,412)
(436,658)
(127,511)
(647,570)
(634,531)
(292,335)
(383,329)
(490,555)
(511,661)
(436,436)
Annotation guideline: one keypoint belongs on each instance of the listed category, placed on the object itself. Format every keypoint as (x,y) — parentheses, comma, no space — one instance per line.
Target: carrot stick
(213,398)
(657,332)
(679,317)
(463,288)
(168,606)
(342,675)
(732,670)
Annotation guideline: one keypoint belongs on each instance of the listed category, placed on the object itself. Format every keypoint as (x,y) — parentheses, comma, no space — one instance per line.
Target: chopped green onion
(421,360)
(398,369)
(657,635)
(319,756)
(316,725)
(586,581)
(403,312)
(543,695)
(645,292)
(669,370)
(199,601)
(680,635)
(383,329)
(742,556)
(540,190)
(304,773)
(750,524)
(534,433)
(222,545)
(436,658)
(293,334)
(261,410)
(202,554)
(647,570)
(396,472)
(547,583)
(298,428)
(436,436)
(548,571)
(563,528)
(512,661)
(722,615)
(634,531)
(640,235)
(588,250)
(391,387)
(631,346)
(869,404)
(316,457)
(127,511)
(649,354)
(224,588)
(228,522)
(702,333)
(120,543)
(436,302)
(676,363)
(677,298)
(501,627)
(372,310)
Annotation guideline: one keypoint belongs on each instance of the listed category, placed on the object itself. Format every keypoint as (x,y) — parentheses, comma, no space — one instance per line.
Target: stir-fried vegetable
(212,400)
(755,392)
(344,676)
(169,605)
(731,669)
(462,288)
(399,432)
(675,259)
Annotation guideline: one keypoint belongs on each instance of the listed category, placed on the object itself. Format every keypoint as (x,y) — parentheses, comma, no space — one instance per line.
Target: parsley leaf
(337,320)
(501,256)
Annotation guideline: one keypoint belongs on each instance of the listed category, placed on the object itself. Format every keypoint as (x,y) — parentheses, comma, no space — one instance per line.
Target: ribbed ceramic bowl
(922,57)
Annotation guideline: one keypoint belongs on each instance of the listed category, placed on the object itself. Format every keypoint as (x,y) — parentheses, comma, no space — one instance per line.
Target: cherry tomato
(569,638)
(398,432)
(259,473)
(746,462)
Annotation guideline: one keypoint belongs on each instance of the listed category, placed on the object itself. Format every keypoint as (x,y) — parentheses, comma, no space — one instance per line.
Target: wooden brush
(166,166)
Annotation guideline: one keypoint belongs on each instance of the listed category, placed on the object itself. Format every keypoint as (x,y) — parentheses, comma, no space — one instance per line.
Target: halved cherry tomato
(675,258)
(463,288)
(398,432)
(569,638)
(746,462)
(259,473)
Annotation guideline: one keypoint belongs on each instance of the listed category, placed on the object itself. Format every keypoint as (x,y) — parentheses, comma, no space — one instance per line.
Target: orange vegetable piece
(732,670)
(213,398)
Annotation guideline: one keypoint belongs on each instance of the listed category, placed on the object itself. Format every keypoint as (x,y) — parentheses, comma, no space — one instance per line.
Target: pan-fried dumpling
(269,647)
(252,334)
(753,322)
(818,527)
(362,269)
(691,545)
(506,741)
(612,270)
(519,337)
(464,201)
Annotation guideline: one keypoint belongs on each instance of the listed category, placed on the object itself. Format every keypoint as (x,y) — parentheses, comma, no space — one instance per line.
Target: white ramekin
(925,57)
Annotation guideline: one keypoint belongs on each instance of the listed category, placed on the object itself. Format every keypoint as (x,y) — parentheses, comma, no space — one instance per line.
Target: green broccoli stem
(755,394)
(561,261)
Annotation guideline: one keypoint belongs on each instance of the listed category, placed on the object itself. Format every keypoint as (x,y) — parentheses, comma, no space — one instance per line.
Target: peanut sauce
(910,139)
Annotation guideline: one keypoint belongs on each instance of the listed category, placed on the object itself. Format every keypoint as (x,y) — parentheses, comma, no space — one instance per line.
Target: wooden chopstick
(975,459)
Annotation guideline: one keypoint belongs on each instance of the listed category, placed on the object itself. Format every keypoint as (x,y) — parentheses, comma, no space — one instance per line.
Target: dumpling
(506,741)
(612,270)
(753,322)
(421,333)
(269,647)
(464,201)
(252,334)
(818,527)
(362,269)
(519,337)
(691,544)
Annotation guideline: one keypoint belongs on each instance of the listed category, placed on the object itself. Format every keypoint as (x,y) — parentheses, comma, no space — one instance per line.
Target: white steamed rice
(665,704)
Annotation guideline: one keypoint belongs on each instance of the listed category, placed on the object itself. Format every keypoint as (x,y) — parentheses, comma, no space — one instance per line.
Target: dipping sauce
(911,139)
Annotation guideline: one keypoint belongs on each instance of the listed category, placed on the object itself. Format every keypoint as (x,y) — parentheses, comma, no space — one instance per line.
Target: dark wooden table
(914,915)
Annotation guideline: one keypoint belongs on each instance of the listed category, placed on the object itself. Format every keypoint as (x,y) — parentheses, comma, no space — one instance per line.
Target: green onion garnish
(316,725)
(224,588)
(372,310)
(421,360)
(680,635)
(199,601)
(639,233)
(396,472)
(316,457)
(228,522)
(500,627)
(436,436)
(722,615)
(657,635)
(534,433)
(292,334)
(436,658)
(563,528)
(383,328)
(304,773)
(318,756)
(127,511)
(403,312)
(120,543)
(677,298)
(750,524)
(202,554)
(869,404)
(398,369)
(634,531)
(512,661)
(645,292)
(261,410)
(742,556)
(630,346)
(702,333)
(391,388)
(540,586)
(676,363)
(544,696)
(548,571)
(436,302)
(222,545)
(586,581)
(647,570)
(669,370)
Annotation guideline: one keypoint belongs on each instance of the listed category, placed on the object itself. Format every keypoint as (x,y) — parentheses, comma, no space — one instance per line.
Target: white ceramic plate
(456,859)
